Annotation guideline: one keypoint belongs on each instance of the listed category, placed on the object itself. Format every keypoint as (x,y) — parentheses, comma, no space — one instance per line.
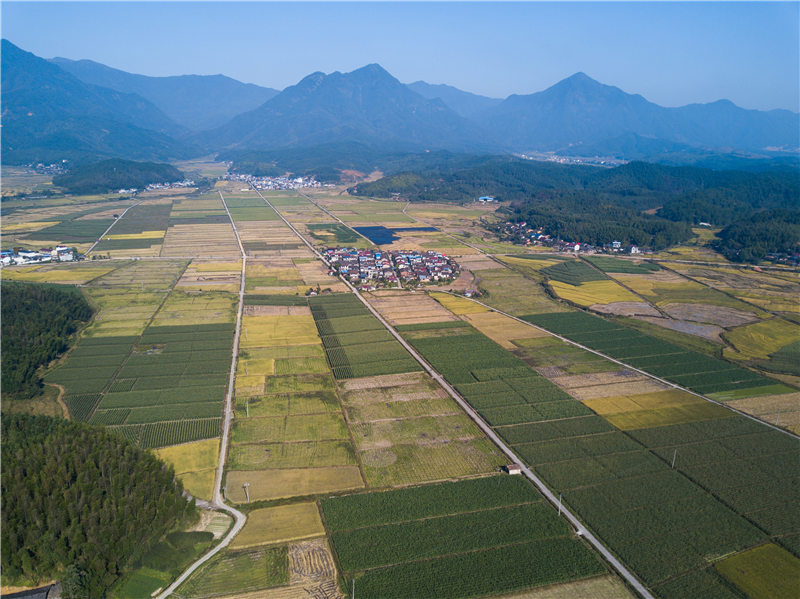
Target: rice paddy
(280,524)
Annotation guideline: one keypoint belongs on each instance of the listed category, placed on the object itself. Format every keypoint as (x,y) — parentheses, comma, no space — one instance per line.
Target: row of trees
(37,323)
(80,504)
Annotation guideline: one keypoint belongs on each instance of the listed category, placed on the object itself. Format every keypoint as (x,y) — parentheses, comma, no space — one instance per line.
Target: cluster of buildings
(60,253)
(371,268)
(275,183)
(153,186)
(524,234)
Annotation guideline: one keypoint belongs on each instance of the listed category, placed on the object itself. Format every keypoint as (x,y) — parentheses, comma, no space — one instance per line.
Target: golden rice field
(27,227)
(404,307)
(501,329)
(593,292)
(280,524)
(195,465)
(73,274)
(143,235)
(265,331)
(277,484)
(458,305)
(535,265)
(761,339)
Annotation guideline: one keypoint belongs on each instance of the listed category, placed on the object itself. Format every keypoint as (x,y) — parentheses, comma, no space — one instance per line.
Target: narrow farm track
(111,226)
(551,497)
(218,501)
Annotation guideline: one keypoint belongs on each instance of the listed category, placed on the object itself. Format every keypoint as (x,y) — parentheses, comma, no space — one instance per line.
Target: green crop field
(356,343)
(422,541)
(573,272)
(617,265)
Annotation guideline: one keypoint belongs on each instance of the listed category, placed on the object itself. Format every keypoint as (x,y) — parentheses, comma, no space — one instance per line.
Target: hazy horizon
(673,54)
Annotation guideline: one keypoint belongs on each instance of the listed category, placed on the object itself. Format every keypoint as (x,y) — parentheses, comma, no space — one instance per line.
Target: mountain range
(82,109)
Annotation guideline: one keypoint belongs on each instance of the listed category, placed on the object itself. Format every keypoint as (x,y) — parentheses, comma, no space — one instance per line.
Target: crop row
(420,539)
(161,434)
(609,264)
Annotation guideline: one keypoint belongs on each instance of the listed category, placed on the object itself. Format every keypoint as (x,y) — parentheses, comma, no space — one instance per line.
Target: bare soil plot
(280,524)
(405,307)
(475,262)
(626,309)
(706,331)
(599,378)
(276,484)
(718,315)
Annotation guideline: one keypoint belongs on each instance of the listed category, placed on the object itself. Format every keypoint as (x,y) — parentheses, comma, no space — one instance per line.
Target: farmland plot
(423,549)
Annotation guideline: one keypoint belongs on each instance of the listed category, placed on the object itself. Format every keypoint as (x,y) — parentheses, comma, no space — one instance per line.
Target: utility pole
(674,455)
(354,589)
(559,504)
(247,491)
(247,407)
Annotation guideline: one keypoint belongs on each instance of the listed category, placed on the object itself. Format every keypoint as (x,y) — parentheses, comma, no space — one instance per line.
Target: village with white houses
(275,183)
(157,186)
(60,253)
(524,234)
(373,268)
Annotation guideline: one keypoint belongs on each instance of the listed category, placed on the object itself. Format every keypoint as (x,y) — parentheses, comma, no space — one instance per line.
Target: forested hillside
(752,238)
(639,203)
(80,504)
(37,322)
(110,175)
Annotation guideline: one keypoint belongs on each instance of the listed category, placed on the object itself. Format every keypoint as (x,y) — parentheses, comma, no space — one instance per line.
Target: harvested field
(403,307)
(602,587)
(633,388)
(783,410)
(626,309)
(280,524)
(706,331)
(260,331)
(187,240)
(501,329)
(599,378)
(276,484)
(761,339)
(310,561)
(77,274)
(718,315)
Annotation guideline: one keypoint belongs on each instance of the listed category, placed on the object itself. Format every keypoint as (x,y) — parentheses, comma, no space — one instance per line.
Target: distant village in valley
(524,234)
(155,186)
(275,183)
(371,269)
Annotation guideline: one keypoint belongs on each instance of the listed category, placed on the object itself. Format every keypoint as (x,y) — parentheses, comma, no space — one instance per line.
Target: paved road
(581,530)
(218,501)
(116,220)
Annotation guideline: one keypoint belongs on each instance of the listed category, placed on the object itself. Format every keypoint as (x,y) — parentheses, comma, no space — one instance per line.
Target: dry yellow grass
(277,484)
(501,329)
(593,292)
(200,484)
(661,408)
(195,464)
(458,305)
(280,524)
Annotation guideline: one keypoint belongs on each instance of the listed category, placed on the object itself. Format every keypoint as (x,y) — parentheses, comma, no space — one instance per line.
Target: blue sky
(671,53)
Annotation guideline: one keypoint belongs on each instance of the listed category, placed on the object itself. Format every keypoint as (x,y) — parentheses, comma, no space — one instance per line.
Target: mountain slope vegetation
(80,504)
(114,174)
